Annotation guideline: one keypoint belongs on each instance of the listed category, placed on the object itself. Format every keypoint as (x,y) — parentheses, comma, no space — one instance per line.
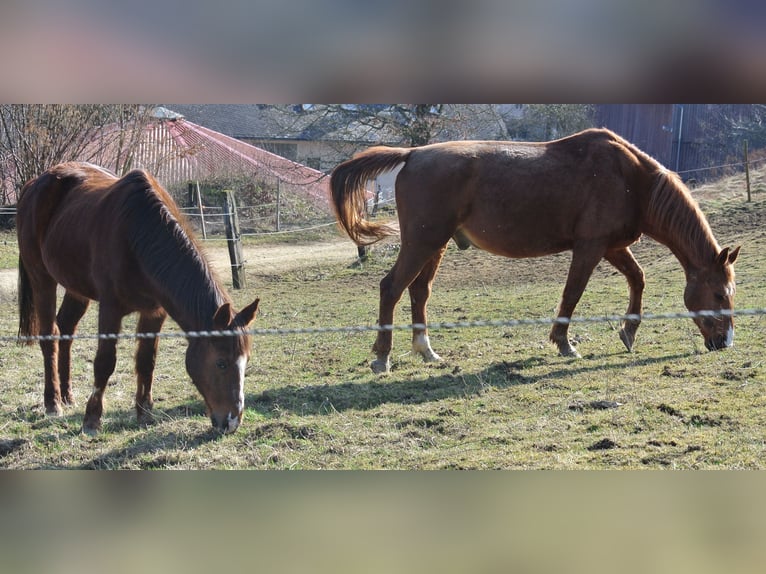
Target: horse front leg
(420,291)
(109,322)
(146,356)
(625,263)
(71,311)
(585,257)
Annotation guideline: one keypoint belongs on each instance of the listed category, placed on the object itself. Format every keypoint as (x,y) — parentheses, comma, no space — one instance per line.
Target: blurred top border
(290,51)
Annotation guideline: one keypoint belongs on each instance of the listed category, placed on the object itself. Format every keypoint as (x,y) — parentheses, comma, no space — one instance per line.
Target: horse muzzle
(719,342)
(227,423)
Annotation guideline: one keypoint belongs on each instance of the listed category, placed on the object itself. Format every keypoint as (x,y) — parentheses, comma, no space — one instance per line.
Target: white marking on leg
(422,345)
(729,336)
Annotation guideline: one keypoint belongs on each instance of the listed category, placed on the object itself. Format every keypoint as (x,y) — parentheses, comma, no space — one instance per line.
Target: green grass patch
(502,398)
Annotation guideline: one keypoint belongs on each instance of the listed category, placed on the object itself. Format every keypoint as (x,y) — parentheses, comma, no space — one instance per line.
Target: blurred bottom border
(384,521)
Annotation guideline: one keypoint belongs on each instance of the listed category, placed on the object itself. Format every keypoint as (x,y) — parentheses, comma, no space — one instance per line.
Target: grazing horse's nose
(225,423)
(720,341)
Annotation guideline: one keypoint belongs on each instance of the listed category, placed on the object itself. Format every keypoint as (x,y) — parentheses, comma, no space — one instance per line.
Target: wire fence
(282,331)
(211,212)
(714,167)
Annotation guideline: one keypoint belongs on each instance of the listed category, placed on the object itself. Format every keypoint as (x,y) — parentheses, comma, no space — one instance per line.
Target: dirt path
(8,278)
(273,259)
(270,259)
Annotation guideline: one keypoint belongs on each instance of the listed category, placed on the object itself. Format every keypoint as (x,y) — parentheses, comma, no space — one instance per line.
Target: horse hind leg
(626,264)
(407,268)
(70,312)
(420,291)
(45,307)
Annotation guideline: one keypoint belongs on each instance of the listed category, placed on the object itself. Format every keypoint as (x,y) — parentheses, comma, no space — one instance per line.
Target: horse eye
(719,297)
(221,364)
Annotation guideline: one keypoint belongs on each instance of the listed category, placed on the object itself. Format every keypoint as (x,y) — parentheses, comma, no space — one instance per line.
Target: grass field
(502,398)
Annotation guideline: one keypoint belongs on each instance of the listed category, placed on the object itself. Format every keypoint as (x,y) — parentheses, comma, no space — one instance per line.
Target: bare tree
(731,124)
(541,122)
(35,137)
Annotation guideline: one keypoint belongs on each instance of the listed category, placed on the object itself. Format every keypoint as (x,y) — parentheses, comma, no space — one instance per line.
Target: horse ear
(733,255)
(722,257)
(246,315)
(222,317)
(727,256)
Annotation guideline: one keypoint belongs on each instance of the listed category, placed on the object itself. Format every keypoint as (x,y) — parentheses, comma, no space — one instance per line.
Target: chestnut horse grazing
(593,193)
(124,243)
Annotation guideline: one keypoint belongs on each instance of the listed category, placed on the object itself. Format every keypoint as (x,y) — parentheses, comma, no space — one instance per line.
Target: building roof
(177,150)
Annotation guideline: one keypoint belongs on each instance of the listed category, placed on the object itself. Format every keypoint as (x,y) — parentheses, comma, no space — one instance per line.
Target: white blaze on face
(241,363)
(730,289)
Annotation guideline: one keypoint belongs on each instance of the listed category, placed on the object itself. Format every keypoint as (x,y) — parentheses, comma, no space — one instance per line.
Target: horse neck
(183,281)
(193,303)
(674,220)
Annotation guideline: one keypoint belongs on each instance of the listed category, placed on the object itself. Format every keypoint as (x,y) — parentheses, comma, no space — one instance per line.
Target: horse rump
(349,196)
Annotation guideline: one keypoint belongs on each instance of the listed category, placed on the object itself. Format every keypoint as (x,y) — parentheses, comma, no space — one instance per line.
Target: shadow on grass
(155,447)
(152,450)
(327,398)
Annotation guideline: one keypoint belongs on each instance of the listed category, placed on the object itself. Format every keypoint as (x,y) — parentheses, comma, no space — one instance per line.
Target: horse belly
(517,240)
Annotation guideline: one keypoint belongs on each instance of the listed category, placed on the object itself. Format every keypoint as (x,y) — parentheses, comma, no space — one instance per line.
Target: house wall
(686,138)
(320,155)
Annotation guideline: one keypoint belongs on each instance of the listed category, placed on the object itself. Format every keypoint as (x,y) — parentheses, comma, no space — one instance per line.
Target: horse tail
(27,314)
(349,195)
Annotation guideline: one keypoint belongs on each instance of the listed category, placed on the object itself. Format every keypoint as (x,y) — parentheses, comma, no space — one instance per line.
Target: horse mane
(167,249)
(676,215)
(672,215)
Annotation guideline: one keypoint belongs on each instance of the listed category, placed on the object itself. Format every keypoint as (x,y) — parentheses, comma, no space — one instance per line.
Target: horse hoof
(627,340)
(54,411)
(146,419)
(431,357)
(144,414)
(379,366)
(569,351)
(91,428)
(90,431)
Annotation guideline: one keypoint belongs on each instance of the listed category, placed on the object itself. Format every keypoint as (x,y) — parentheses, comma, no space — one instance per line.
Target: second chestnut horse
(592,193)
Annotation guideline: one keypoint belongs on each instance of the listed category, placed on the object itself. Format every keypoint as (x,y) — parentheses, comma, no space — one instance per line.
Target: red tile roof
(179,150)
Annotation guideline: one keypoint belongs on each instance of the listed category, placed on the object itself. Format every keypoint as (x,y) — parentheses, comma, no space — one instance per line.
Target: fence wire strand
(281,331)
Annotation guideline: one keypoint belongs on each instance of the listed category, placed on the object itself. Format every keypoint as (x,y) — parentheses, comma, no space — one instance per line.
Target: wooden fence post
(201,212)
(747,173)
(279,199)
(234,241)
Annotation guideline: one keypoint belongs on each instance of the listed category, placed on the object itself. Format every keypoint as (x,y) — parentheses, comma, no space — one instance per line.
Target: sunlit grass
(502,398)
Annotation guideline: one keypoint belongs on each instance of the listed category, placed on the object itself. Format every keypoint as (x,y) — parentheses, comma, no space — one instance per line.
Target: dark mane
(672,215)
(677,218)
(166,248)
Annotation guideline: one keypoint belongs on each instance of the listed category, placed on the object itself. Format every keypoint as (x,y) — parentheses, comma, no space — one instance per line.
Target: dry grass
(501,399)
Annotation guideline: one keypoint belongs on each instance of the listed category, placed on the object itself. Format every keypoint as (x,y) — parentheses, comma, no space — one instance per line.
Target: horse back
(523,199)
(59,216)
